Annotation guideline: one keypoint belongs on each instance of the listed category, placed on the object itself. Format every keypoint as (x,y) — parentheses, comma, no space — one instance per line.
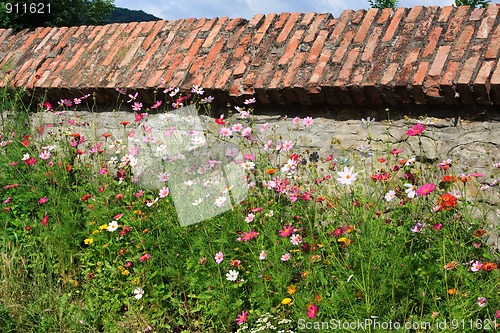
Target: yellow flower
(88,241)
(96,232)
(344,240)
(291,289)
(125,272)
(136,281)
(286,301)
(103,227)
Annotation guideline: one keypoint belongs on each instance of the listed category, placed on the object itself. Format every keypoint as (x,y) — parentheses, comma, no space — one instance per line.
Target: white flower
(411,161)
(149,203)
(198,140)
(26,157)
(112,226)
(390,195)
(248,165)
(139,292)
(296,239)
(347,177)
(232,275)
(220,201)
(198,201)
(410,190)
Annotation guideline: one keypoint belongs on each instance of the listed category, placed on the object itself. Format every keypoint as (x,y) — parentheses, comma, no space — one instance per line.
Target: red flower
(25,143)
(220,121)
(447,201)
(45,220)
(86,197)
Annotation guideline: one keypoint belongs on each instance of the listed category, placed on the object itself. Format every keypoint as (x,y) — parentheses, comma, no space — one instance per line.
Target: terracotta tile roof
(419,55)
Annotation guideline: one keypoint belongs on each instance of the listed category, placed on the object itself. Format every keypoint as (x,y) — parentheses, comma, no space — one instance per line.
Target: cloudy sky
(179,9)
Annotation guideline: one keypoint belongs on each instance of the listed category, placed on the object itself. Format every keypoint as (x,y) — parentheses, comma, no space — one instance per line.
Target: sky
(181,9)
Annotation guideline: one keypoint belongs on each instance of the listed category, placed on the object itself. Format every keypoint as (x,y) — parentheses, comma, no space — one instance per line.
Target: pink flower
(145,257)
(416,130)
(312,311)
(476,266)
(6,201)
(156,105)
(219,256)
(43,200)
(498,314)
(286,231)
(225,131)
(296,120)
(249,218)
(246,131)
(137,107)
(285,257)
(164,192)
(308,121)
(262,255)
(425,189)
(242,317)
(237,127)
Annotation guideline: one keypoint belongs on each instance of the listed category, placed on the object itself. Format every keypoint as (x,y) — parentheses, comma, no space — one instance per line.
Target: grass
(350,242)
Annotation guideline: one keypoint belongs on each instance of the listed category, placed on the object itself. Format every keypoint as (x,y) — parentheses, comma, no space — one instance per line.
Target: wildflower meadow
(117,232)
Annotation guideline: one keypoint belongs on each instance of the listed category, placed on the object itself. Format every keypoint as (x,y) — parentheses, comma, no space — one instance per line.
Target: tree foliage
(381,4)
(472,3)
(53,13)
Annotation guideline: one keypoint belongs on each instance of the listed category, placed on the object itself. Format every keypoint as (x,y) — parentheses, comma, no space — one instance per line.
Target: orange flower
(291,289)
(106,135)
(488,266)
(75,135)
(452,291)
(449,179)
(479,233)
(271,171)
(451,265)
(447,201)
(124,123)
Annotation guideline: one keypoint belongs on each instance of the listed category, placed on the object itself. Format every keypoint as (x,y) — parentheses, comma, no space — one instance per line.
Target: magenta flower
(43,200)
(312,311)
(242,317)
(425,189)
(286,231)
(481,301)
(416,130)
